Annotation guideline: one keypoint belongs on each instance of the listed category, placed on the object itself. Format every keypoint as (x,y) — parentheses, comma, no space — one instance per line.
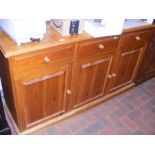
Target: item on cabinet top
(103,27)
(129,23)
(22,31)
(68,27)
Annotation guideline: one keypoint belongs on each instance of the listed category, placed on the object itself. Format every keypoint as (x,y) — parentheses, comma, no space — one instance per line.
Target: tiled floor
(132,112)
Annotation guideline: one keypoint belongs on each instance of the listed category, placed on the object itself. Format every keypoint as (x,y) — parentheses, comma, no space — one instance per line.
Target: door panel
(125,68)
(55,94)
(100,73)
(44,96)
(34,100)
(91,79)
(84,85)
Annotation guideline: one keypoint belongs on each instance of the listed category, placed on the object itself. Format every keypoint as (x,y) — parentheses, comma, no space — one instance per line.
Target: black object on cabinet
(4,127)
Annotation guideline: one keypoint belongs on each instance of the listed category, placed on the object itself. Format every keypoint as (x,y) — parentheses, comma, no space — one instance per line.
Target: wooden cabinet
(70,75)
(41,84)
(128,59)
(147,67)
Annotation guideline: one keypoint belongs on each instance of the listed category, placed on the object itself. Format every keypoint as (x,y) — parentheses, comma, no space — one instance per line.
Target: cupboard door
(126,67)
(91,79)
(147,66)
(44,96)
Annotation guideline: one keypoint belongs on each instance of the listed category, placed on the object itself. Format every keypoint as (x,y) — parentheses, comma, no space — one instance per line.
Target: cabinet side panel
(6,84)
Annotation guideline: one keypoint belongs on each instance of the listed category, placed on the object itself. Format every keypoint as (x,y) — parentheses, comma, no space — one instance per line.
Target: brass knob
(110,76)
(137,38)
(101,46)
(46,60)
(115,37)
(69,92)
(113,74)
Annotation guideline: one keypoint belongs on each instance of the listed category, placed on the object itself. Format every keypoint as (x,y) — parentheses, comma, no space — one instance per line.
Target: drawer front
(134,40)
(43,58)
(96,47)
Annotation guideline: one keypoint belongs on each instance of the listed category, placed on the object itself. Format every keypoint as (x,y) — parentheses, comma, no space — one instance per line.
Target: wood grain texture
(33,101)
(126,66)
(43,96)
(92,47)
(128,59)
(36,60)
(130,41)
(147,67)
(91,77)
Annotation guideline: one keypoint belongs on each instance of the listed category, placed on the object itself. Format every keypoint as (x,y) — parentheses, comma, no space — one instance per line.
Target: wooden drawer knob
(46,60)
(137,38)
(113,74)
(69,92)
(101,46)
(110,76)
(115,37)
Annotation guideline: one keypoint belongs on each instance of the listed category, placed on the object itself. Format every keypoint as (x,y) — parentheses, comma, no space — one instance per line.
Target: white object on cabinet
(106,27)
(21,30)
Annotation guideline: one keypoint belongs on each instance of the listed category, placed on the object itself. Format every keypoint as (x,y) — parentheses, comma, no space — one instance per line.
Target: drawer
(97,46)
(134,40)
(43,58)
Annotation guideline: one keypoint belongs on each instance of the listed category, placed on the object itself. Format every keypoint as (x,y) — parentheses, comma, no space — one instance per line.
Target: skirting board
(50,122)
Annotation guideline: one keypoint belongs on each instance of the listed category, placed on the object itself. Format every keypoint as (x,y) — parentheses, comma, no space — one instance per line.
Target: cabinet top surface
(51,39)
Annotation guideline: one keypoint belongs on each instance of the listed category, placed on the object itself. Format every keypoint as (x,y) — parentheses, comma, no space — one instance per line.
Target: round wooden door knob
(46,60)
(113,74)
(137,38)
(101,46)
(69,92)
(110,76)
